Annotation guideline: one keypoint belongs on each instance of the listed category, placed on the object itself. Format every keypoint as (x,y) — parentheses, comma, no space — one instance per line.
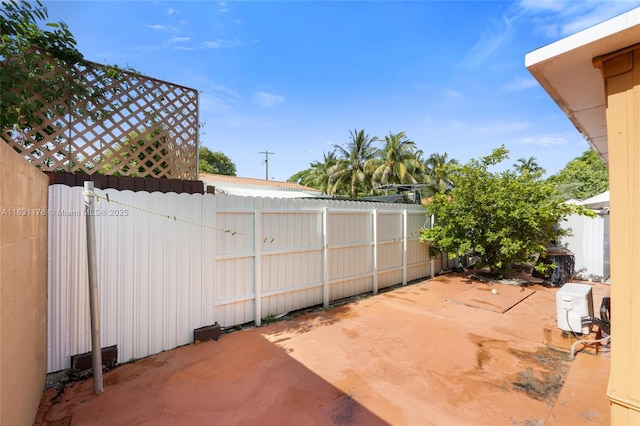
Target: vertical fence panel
(390,248)
(208,260)
(589,246)
(169,263)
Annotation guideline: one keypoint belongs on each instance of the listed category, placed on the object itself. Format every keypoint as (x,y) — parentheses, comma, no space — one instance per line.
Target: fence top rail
(93,64)
(245,205)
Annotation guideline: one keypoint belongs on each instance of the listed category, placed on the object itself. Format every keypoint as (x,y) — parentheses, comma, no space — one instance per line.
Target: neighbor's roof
(565,70)
(599,201)
(234,185)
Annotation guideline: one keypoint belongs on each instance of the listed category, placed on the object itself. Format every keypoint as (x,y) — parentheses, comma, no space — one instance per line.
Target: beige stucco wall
(23,287)
(621,72)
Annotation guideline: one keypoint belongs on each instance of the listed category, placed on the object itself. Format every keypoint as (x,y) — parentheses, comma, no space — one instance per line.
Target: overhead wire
(264,239)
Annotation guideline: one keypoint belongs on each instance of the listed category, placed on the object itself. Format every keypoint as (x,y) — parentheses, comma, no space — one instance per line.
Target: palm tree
(438,167)
(317,175)
(301,176)
(319,178)
(529,165)
(350,171)
(398,161)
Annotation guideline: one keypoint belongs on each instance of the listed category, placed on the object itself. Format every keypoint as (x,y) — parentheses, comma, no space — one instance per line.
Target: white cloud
(267,100)
(218,109)
(479,130)
(500,128)
(489,41)
(215,44)
(219,44)
(543,140)
(453,125)
(600,13)
(551,18)
(179,39)
(213,89)
(521,83)
(171,11)
(537,6)
(453,94)
(158,27)
(222,7)
(559,18)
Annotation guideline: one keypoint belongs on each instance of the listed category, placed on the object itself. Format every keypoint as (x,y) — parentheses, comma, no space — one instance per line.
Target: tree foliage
(506,217)
(359,167)
(352,169)
(583,177)
(26,54)
(317,175)
(396,162)
(216,162)
(438,169)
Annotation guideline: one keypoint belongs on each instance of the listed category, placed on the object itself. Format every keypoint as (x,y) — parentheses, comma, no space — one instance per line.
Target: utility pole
(266,161)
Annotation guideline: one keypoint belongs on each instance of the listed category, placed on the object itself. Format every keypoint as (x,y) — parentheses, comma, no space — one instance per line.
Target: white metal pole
(431,262)
(325,259)
(404,247)
(96,354)
(375,250)
(258,266)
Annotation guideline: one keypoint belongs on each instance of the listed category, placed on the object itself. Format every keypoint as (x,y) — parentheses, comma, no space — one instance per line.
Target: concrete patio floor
(409,356)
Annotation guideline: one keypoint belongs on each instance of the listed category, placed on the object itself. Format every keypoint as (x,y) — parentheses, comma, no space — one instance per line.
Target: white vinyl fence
(171,263)
(589,242)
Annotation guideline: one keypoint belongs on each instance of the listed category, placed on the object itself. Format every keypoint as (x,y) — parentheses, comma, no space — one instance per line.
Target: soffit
(565,70)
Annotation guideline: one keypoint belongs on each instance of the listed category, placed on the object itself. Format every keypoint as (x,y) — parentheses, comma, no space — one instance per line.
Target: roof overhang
(566,71)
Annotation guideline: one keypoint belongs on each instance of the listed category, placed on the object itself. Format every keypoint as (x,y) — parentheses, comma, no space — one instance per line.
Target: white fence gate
(171,263)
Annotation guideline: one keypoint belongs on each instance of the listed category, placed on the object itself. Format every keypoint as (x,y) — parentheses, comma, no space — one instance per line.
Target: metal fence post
(258,265)
(431,259)
(374,215)
(325,259)
(96,354)
(404,246)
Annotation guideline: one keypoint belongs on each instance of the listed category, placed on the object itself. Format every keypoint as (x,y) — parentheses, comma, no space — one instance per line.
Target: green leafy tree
(397,161)
(139,154)
(216,162)
(505,217)
(301,176)
(317,175)
(438,168)
(41,80)
(27,52)
(351,170)
(583,177)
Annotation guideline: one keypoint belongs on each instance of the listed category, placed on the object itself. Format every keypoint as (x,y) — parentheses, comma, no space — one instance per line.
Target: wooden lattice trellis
(121,123)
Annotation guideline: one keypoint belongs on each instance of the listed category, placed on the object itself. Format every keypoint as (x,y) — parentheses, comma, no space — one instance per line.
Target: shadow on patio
(413,355)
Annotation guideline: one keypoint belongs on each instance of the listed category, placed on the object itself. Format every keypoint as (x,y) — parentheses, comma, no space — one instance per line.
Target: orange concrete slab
(493,298)
(404,357)
(581,398)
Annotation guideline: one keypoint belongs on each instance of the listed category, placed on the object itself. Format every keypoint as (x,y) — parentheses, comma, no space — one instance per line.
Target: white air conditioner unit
(573,302)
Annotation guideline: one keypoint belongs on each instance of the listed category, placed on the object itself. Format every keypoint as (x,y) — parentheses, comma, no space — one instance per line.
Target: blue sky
(293,77)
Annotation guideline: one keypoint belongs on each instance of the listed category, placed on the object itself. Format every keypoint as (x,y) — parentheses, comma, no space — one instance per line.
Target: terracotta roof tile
(208,177)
